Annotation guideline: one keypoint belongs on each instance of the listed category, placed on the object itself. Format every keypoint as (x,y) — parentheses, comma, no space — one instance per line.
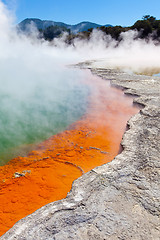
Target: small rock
(17,174)
(95,148)
(21,174)
(104,152)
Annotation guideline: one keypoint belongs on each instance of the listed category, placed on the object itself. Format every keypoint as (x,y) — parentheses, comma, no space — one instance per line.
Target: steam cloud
(34,79)
(38,94)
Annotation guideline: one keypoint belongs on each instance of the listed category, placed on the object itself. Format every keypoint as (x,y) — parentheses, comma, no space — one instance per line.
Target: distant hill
(43,24)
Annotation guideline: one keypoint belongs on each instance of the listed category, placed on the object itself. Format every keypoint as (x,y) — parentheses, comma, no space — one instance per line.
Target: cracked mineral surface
(118,200)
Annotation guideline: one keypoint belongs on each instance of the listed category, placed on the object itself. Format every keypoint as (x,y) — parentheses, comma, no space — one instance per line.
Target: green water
(29,116)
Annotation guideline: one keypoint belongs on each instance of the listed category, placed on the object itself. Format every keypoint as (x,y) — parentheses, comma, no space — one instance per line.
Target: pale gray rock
(119,200)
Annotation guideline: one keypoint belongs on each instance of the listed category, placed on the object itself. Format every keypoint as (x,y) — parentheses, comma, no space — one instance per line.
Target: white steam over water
(39,95)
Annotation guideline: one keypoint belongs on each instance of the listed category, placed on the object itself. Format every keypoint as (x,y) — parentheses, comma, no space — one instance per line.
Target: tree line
(52,32)
(148,28)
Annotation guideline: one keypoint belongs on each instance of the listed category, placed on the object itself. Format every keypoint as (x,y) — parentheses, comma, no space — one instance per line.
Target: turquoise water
(31,112)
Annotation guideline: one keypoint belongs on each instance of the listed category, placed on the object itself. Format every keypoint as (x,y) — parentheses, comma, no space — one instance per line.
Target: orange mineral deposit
(46,174)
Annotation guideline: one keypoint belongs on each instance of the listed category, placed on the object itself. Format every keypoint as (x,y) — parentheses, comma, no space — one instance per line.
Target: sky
(114,12)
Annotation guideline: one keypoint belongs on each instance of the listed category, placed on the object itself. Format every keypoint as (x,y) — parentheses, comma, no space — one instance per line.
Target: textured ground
(119,200)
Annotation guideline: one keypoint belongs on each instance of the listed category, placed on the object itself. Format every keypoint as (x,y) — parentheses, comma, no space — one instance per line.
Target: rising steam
(39,94)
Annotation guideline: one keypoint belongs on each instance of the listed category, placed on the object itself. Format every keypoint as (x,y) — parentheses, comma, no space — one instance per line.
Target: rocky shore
(121,199)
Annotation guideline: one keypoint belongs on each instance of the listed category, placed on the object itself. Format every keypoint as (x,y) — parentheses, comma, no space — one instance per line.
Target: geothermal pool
(84,120)
(33,110)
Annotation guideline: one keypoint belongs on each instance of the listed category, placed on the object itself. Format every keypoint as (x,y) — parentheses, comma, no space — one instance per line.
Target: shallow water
(31,112)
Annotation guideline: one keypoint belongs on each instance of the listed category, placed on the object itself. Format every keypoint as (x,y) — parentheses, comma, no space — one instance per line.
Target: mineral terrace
(119,200)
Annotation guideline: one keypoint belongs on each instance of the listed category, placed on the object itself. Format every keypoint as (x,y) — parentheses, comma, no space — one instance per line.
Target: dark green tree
(143,26)
(151,19)
(54,31)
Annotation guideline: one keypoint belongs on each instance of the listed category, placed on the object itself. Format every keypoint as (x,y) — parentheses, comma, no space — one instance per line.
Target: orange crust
(46,174)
